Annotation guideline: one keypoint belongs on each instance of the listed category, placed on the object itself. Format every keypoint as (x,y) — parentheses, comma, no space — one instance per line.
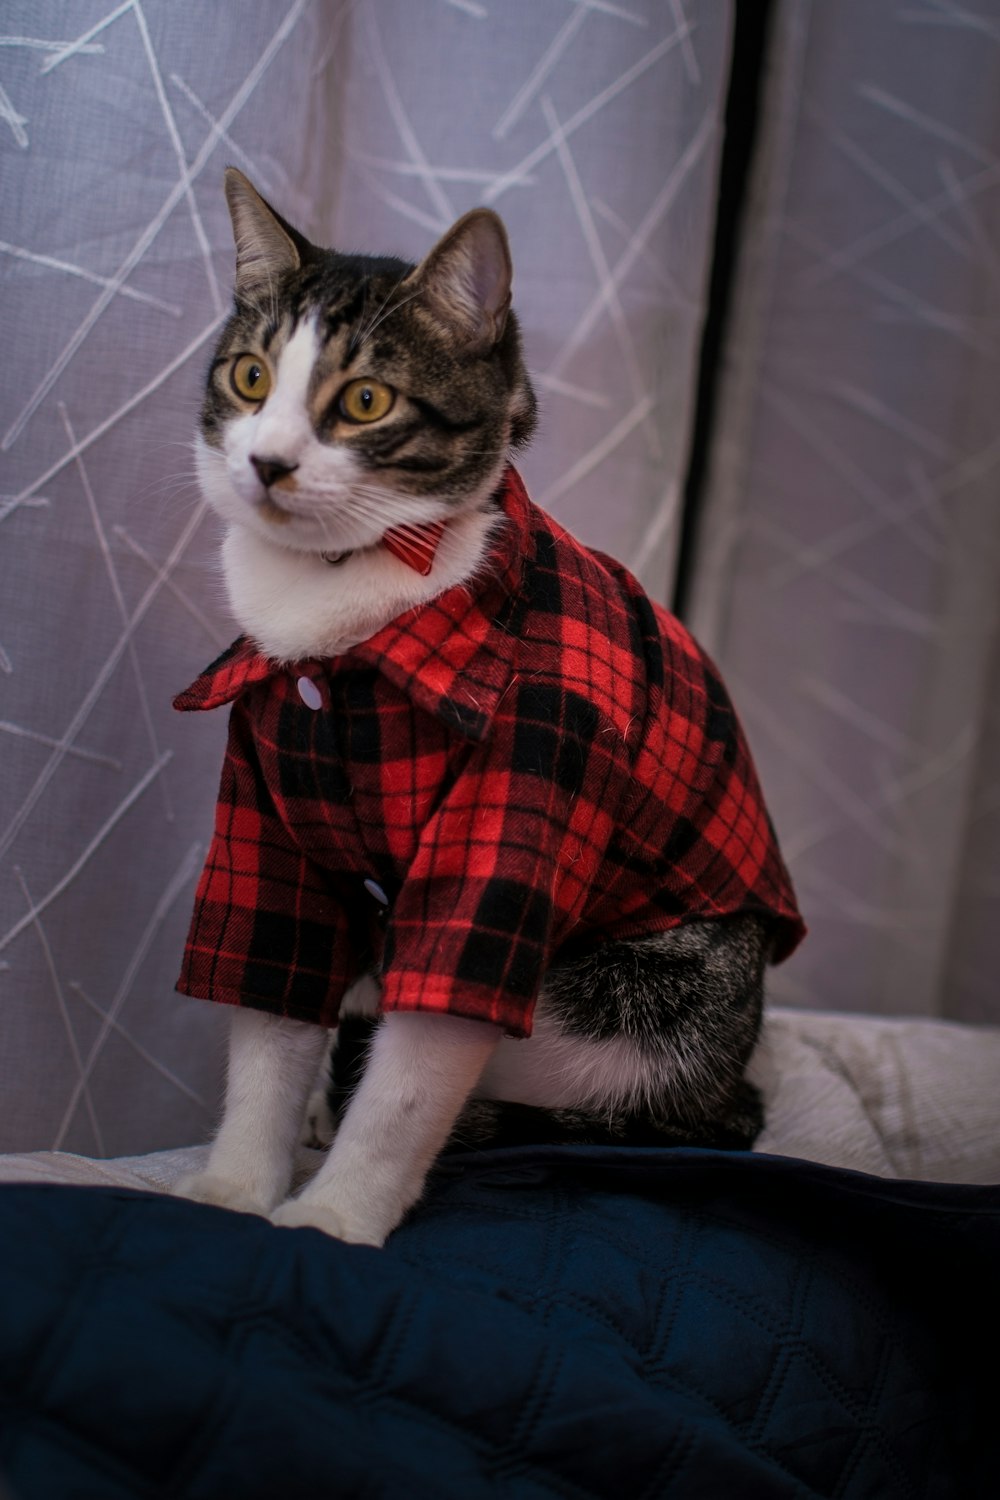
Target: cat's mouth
(273,512)
(276,515)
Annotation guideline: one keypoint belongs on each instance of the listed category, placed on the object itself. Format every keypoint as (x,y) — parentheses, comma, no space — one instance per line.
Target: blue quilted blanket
(549,1323)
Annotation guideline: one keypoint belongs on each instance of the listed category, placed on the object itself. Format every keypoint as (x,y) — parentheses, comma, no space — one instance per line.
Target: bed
(801,1320)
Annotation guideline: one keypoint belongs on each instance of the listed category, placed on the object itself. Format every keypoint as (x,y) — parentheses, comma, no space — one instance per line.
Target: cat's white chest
(296,604)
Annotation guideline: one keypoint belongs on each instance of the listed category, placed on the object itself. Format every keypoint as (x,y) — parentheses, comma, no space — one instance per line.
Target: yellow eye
(250,377)
(366,401)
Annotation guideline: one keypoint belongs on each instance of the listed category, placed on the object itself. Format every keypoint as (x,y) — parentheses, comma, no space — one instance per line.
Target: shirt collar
(453,656)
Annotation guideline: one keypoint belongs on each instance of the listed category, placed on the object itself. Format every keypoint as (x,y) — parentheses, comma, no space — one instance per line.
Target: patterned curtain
(593,127)
(848,545)
(848,571)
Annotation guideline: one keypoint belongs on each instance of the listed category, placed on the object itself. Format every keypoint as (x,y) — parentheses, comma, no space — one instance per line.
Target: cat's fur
(637,1041)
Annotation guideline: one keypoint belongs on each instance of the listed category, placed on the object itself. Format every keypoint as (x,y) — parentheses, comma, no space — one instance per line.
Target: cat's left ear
(266,244)
(466,278)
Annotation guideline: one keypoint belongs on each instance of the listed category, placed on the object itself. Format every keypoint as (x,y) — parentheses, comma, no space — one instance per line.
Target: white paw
(208,1187)
(317,1131)
(299,1213)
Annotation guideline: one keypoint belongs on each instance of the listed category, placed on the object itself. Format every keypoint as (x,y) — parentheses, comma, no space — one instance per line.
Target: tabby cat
(356,439)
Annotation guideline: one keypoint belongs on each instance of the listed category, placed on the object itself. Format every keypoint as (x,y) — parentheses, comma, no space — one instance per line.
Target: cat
(572,888)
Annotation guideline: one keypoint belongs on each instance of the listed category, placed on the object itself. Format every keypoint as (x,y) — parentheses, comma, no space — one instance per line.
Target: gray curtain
(848,558)
(593,127)
(848,570)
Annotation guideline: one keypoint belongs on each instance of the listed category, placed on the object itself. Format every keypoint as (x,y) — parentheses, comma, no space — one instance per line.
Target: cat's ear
(466,278)
(266,246)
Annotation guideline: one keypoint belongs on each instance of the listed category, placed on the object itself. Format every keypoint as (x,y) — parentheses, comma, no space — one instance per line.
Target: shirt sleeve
(267,930)
(502,871)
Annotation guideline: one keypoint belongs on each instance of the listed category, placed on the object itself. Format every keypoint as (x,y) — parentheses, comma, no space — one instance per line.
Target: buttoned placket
(312,696)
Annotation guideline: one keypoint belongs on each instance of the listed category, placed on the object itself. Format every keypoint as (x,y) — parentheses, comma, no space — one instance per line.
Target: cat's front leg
(272,1066)
(420,1072)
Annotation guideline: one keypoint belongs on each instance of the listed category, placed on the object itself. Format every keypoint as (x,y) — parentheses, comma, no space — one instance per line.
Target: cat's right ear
(266,246)
(465,280)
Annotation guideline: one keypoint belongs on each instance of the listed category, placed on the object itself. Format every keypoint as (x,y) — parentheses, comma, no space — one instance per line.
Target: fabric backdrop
(849,570)
(847,565)
(593,127)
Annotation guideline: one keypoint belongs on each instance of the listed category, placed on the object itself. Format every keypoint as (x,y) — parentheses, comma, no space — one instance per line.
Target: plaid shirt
(537,762)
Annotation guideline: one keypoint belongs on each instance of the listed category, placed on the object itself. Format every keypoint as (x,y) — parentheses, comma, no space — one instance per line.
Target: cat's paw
(299,1213)
(209,1187)
(318,1129)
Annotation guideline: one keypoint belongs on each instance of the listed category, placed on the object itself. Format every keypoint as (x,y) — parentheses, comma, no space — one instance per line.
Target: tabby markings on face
(351,395)
(272,468)
(333,454)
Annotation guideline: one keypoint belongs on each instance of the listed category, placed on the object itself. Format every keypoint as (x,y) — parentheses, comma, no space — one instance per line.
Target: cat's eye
(366,401)
(250,377)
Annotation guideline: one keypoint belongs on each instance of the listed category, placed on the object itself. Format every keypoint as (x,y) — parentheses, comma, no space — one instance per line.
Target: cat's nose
(270,470)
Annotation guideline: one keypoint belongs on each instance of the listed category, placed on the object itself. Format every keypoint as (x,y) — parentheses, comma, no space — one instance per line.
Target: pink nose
(270,470)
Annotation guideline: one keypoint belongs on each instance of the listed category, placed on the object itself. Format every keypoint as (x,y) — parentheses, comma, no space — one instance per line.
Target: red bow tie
(414,545)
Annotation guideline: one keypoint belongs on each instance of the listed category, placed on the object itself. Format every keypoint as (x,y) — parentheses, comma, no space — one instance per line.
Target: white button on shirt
(309,693)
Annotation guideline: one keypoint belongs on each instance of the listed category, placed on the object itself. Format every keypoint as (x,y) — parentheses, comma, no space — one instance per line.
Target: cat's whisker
(166,487)
(165,443)
(171,497)
(354,339)
(395,308)
(366,332)
(175,474)
(391,511)
(381,509)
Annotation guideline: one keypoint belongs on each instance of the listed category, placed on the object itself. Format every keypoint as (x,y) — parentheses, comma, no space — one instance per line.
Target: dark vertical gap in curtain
(751,30)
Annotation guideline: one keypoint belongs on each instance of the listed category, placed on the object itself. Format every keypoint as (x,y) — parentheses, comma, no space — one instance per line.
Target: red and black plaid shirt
(541,759)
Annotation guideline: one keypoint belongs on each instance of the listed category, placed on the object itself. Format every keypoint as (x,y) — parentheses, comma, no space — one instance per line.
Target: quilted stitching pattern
(568,1323)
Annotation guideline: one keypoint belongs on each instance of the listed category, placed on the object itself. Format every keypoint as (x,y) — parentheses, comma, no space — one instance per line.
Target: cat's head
(349,393)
